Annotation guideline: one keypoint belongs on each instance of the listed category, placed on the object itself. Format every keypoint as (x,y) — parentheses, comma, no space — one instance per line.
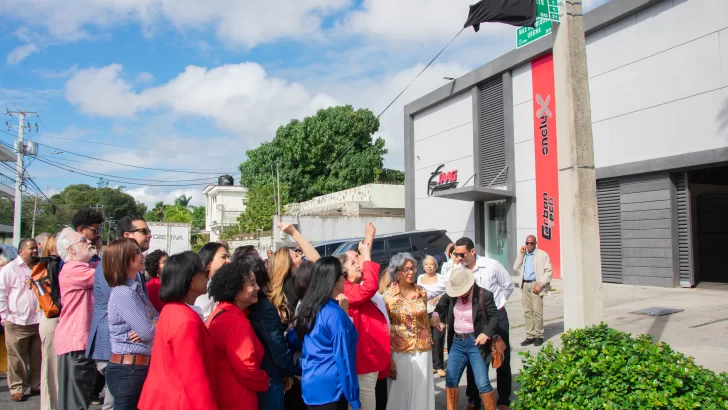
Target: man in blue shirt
(534,266)
(99,341)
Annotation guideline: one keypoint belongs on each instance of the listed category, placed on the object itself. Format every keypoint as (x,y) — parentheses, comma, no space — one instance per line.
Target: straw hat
(461,280)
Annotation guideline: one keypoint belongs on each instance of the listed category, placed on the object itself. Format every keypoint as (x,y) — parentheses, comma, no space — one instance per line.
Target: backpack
(44,283)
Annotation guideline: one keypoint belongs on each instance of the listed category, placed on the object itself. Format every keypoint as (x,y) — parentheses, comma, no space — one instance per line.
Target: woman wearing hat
(472,316)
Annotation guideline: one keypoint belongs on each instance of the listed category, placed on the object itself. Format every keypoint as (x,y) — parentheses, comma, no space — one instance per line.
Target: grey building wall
(647,230)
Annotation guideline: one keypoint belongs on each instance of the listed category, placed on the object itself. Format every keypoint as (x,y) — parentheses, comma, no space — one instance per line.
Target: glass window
(435,239)
(378,250)
(397,245)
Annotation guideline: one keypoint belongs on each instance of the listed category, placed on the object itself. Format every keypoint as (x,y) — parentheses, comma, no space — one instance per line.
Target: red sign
(547,166)
(447,177)
(445,180)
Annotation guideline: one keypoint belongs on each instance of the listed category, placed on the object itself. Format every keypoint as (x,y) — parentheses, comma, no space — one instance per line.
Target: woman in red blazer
(370,320)
(238,353)
(181,372)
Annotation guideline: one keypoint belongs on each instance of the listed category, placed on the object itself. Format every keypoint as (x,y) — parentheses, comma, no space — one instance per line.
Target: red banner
(547,166)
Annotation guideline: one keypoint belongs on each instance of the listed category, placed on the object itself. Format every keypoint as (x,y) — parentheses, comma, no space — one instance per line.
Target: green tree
(113,202)
(156,214)
(328,152)
(183,200)
(177,213)
(260,207)
(198,218)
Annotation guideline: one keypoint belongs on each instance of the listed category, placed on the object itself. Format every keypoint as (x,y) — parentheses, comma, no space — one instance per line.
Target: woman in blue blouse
(132,323)
(329,341)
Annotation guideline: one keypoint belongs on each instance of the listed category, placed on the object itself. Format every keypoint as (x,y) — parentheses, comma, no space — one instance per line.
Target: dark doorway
(709,196)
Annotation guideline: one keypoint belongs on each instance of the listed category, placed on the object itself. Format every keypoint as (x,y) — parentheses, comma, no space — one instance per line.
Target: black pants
(438,346)
(380,393)
(342,404)
(293,398)
(503,373)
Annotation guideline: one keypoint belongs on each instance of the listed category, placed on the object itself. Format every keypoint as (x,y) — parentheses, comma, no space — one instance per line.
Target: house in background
(224,202)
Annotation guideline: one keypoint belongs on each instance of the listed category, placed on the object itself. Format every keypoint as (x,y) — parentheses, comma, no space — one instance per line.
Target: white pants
(367,388)
(49,364)
(108,398)
(414,388)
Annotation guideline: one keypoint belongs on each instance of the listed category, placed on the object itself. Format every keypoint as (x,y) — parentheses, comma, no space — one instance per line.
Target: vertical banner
(547,164)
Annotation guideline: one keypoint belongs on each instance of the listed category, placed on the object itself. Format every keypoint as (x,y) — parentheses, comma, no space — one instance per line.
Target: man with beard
(99,341)
(20,317)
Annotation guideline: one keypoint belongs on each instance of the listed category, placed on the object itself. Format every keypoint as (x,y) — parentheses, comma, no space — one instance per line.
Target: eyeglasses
(137,251)
(143,231)
(407,270)
(460,255)
(530,243)
(94,230)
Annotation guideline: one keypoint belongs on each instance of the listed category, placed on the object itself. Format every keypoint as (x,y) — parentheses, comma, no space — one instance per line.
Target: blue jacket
(99,340)
(277,359)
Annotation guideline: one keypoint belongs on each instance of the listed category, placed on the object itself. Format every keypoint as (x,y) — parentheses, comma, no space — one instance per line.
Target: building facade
(223,205)
(481,151)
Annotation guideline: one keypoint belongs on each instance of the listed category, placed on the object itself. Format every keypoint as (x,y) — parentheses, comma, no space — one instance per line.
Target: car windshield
(348,246)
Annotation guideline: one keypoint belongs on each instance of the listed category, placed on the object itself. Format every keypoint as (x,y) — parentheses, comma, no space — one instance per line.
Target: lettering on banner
(548,216)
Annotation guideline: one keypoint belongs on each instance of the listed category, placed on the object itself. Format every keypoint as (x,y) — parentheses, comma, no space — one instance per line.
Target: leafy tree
(177,213)
(328,152)
(260,207)
(113,202)
(183,200)
(198,218)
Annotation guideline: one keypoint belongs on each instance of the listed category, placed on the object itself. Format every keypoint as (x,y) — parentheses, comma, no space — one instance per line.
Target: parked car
(327,248)
(418,243)
(9,251)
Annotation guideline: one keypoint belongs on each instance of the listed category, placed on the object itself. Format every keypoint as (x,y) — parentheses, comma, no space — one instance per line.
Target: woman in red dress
(238,353)
(153,264)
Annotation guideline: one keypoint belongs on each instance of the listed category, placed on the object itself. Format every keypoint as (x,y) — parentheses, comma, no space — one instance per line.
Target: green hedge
(602,368)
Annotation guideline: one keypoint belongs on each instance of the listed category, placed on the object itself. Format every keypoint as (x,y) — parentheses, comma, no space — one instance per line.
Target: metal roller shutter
(609,210)
(492,133)
(687,279)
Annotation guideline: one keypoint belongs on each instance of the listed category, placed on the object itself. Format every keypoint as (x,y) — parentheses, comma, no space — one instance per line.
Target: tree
(328,152)
(198,218)
(177,213)
(112,202)
(260,207)
(183,200)
(156,214)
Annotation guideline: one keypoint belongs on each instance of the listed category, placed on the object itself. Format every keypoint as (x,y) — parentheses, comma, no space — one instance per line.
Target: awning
(474,194)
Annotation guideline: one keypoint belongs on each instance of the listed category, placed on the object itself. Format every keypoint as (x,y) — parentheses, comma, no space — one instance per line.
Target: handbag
(497,345)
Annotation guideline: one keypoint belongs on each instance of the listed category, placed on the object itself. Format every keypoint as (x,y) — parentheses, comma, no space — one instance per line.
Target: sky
(162,96)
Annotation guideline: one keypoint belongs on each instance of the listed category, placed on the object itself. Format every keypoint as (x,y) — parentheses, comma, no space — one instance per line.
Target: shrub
(602,368)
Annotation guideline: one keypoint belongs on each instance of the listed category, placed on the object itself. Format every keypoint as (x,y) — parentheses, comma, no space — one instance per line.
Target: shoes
(453,396)
(538,342)
(35,392)
(488,400)
(18,397)
(441,373)
(527,342)
(469,406)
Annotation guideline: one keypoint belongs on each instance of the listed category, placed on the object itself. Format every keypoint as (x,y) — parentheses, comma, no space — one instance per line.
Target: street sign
(547,9)
(527,35)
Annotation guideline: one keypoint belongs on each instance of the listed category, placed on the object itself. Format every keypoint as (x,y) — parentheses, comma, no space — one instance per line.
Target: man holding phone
(534,266)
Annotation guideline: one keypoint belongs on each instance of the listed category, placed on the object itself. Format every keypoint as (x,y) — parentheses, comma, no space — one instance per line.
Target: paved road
(699,331)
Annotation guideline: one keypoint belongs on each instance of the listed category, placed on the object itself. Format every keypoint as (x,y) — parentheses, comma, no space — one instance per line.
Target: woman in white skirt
(412,387)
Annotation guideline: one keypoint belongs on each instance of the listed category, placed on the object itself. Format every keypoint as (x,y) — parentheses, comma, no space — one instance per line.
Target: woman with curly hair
(153,263)
(238,353)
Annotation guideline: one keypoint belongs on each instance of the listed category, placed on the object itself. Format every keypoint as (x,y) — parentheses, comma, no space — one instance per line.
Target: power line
(402,92)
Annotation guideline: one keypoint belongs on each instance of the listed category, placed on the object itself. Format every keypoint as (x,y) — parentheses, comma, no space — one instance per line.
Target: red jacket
(153,286)
(237,358)
(181,371)
(372,350)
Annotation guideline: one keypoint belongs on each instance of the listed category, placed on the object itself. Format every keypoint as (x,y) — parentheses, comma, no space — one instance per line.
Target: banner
(547,164)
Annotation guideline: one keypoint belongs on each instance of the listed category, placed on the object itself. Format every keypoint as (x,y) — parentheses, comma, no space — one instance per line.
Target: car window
(435,239)
(397,245)
(321,249)
(349,246)
(378,250)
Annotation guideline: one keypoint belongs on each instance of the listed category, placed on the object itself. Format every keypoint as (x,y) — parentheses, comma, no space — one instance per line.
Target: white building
(480,155)
(223,205)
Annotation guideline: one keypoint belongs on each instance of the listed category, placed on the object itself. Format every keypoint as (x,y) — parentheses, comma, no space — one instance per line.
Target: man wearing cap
(471,314)
(534,266)
(491,275)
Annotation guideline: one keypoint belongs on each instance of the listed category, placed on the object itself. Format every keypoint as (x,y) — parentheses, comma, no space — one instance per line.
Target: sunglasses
(143,231)
(96,231)
(460,255)
(530,243)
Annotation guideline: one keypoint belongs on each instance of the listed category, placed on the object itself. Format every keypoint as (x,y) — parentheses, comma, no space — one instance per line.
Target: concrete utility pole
(19,150)
(35,209)
(580,257)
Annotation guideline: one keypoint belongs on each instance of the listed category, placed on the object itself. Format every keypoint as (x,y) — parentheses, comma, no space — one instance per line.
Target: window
(435,239)
(378,250)
(397,245)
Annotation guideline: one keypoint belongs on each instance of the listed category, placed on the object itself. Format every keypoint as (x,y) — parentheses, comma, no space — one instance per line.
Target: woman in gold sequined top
(412,386)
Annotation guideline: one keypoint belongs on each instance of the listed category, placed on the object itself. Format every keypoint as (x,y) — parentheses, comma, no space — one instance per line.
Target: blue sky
(191,85)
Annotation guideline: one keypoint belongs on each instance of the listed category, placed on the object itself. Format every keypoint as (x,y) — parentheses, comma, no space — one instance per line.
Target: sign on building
(528,35)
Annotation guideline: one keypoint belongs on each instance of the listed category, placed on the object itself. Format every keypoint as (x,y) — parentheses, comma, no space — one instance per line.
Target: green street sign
(547,9)
(527,34)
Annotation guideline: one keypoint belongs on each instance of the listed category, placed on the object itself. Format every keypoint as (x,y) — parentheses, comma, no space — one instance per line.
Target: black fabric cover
(513,12)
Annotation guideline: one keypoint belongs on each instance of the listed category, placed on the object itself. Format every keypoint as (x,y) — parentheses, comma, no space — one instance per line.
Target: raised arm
(308,250)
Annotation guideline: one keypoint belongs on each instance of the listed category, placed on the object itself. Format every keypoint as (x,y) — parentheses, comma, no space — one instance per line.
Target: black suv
(418,243)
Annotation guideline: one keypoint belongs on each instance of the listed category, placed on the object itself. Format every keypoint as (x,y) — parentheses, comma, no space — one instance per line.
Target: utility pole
(35,209)
(580,260)
(19,183)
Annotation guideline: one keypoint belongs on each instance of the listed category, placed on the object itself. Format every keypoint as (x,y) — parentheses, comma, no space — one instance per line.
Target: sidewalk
(700,331)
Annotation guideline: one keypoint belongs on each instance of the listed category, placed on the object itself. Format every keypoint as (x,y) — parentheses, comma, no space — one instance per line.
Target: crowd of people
(215,330)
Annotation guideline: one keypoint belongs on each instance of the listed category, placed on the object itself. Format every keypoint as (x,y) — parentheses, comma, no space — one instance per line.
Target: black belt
(464,335)
(529,281)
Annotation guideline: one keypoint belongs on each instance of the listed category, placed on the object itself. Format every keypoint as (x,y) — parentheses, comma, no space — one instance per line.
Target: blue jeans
(125,384)
(461,353)
(274,398)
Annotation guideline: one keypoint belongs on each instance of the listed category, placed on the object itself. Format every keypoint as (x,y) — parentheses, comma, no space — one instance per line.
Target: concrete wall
(443,134)
(524,151)
(370,197)
(658,82)
(325,228)
(647,230)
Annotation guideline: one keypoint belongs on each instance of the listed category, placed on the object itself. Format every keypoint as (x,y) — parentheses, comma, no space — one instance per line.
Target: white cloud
(240,98)
(152,195)
(20,53)
(145,77)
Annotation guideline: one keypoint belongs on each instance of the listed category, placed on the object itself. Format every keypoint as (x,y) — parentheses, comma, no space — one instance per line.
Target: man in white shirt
(491,275)
(20,317)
